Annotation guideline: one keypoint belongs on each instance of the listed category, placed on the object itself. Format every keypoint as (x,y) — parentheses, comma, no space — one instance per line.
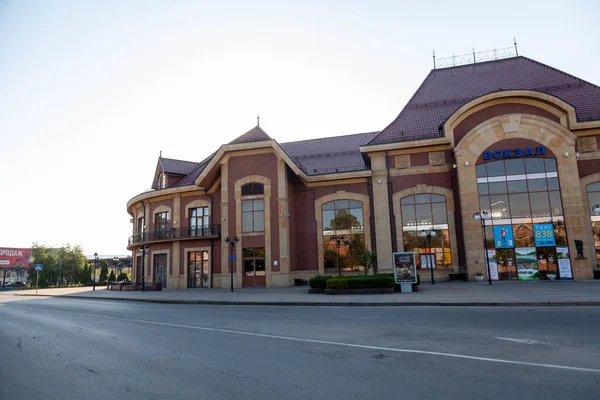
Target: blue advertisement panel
(503,237)
(544,235)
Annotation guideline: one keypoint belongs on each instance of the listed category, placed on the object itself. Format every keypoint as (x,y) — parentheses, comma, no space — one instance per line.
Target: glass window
(550,164)
(593,199)
(439,213)
(198,221)
(253,188)
(519,205)
(534,165)
(523,235)
(553,184)
(438,198)
(408,215)
(408,200)
(495,168)
(482,188)
(344,235)
(500,208)
(498,188)
(481,172)
(484,202)
(537,185)
(515,167)
(540,204)
(253,216)
(422,198)
(517,186)
(424,214)
(555,203)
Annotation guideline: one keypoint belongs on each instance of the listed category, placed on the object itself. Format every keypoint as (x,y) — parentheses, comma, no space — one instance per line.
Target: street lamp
(116,260)
(428,234)
(144,248)
(339,240)
(94,273)
(484,216)
(596,209)
(231,242)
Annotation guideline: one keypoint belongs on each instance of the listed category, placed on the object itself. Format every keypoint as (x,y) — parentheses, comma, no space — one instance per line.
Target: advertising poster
(14,258)
(405,267)
(544,235)
(564,263)
(427,261)
(503,237)
(493,264)
(527,267)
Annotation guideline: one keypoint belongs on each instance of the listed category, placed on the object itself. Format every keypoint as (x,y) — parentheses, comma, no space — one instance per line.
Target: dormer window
(162,183)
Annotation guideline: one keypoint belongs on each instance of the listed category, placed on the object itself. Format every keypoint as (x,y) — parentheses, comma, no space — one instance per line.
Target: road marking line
(524,341)
(342,344)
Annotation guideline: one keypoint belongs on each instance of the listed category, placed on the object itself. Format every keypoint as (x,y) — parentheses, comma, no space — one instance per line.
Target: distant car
(15,284)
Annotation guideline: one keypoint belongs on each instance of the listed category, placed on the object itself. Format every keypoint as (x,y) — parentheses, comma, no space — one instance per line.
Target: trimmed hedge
(360,282)
(318,282)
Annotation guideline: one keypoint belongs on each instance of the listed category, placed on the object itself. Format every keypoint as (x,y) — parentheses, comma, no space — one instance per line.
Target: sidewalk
(540,293)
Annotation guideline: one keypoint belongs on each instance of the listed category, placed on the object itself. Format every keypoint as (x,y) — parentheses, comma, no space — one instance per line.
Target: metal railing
(176,233)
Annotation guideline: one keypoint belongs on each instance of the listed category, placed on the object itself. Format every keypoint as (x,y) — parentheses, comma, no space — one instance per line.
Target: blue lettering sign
(514,153)
(507,154)
(487,155)
(540,151)
(544,235)
(528,152)
(518,152)
(497,154)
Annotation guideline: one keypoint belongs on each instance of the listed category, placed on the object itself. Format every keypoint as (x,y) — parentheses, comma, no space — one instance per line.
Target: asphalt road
(85,349)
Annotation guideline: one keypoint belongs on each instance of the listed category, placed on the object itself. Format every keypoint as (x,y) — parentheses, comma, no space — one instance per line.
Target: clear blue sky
(91,91)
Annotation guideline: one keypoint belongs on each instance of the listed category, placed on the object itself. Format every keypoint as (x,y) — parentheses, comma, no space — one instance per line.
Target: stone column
(382,212)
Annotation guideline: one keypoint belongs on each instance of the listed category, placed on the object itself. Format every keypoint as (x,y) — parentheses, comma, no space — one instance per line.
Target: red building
(512,139)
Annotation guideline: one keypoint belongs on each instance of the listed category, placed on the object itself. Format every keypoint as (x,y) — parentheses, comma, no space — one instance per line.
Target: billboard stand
(405,270)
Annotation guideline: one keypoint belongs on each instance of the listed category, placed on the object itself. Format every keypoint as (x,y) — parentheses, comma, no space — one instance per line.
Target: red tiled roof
(177,167)
(255,134)
(446,90)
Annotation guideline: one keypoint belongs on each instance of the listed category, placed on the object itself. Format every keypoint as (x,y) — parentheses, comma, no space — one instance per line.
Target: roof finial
(257,119)
(160,154)
(515,41)
(433,58)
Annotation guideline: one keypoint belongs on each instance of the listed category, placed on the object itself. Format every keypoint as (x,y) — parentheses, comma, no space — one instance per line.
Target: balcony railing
(176,233)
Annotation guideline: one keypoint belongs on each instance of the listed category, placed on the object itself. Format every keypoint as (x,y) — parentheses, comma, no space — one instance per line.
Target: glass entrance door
(197,269)
(160,269)
(546,261)
(254,267)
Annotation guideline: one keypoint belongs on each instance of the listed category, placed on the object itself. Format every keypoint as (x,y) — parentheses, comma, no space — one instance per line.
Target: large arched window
(343,235)
(593,192)
(426,212)
(253,207)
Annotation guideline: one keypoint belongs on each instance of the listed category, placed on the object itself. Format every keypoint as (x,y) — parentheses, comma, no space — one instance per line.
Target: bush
(122,277)
(111,277)
(361,282)
(318,282)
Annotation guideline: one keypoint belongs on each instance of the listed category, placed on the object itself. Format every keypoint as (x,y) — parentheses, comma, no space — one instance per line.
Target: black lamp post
(116,260)
(143,249)
(94,272)
(428,234)
(339,240)
(484,216)
(231,242)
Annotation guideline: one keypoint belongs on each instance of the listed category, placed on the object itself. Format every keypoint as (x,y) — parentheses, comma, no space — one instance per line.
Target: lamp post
(231,242)
(116,260)
(339,240)
(484,216)
(94,272)
(428,234)
(596,209)
(143,249)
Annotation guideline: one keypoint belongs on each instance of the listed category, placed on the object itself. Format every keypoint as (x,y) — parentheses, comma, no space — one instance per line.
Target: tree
(112,277)
(72,270)
(122,277)
(104,272)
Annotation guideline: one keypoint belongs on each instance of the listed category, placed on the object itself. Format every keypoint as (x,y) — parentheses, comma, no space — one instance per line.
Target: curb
(343,304)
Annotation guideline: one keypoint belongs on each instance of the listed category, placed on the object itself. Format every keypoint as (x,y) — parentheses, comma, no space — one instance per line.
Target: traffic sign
(38,267)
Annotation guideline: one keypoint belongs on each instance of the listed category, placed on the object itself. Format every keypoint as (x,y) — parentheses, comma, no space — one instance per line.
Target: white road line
(524,341)
(359,346)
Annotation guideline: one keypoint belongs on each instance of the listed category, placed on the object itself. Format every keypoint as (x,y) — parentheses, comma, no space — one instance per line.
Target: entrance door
(160,269)
(197,269)
(254,267)
(546,261)
(507,265)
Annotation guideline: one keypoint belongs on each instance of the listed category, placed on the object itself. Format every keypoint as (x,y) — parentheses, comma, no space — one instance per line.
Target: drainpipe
(212,263)
(372,218)
(391,204)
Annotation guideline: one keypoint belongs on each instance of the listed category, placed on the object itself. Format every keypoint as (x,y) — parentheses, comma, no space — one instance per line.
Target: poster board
(405,267)
(427,261)
(491,253)
(564,263)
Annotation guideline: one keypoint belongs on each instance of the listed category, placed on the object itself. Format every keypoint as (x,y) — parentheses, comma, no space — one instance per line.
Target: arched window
(593,192)
(253,188)
(343,235)
(427,212)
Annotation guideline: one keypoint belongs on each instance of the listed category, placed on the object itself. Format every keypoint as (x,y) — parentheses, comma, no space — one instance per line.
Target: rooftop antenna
(433,58)
(257,119)
(515,41)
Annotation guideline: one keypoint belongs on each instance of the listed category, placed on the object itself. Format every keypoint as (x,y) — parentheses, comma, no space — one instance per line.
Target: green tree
(122,277)
(103,272)
(72,270)
(112,277)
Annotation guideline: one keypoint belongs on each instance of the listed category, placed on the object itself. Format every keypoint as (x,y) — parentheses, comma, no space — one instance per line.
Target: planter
(360,291)
(479,278)
(551,276)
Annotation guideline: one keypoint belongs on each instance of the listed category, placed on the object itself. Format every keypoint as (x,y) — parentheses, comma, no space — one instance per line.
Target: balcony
(201,232)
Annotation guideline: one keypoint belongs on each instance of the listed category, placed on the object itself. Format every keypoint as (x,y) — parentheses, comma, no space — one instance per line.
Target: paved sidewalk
(540,293)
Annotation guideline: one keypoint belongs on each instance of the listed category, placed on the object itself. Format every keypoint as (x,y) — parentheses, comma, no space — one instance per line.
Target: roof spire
(515,41)
(160,154)
(257,119)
